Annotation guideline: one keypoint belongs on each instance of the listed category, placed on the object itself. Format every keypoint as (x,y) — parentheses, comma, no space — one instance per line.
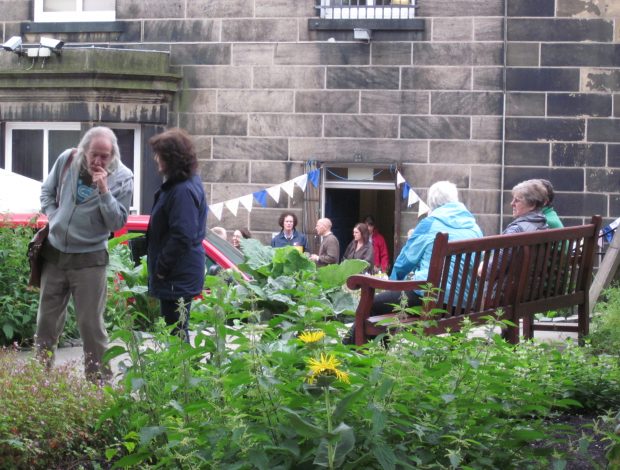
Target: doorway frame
(360,184)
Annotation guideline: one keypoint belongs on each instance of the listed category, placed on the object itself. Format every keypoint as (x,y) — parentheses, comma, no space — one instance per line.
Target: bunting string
(411,196)
(288,187)
(274,192)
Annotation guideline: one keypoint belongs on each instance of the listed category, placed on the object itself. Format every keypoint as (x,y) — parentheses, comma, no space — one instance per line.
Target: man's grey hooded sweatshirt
(85,227)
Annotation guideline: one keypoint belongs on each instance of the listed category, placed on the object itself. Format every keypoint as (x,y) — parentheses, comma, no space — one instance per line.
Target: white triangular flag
(301,181)
(413,198)
(399,179)
(217,210)
(246,201)
(288,187)
(232,205)
(274,192)
(423,209)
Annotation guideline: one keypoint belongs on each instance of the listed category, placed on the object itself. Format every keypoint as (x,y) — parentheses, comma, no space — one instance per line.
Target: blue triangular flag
(261,197)
(608,233)
(313,176)
(406,189)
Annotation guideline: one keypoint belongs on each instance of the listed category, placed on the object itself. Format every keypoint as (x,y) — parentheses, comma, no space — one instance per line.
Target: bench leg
(583,322)
(511,333)
(528,327)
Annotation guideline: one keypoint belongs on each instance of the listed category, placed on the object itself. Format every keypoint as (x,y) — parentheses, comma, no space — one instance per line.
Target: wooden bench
(522,274)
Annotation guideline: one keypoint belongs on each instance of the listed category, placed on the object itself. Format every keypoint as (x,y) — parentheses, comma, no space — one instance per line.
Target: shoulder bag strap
(65,168)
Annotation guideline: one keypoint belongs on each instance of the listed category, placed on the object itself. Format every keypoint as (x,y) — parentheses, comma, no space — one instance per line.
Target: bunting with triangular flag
(274,192)
(288,187)
(423,209)
(232,205)
(301,181)
(411,196)
(313,176)
(246,201)
(217,210)
(261,197)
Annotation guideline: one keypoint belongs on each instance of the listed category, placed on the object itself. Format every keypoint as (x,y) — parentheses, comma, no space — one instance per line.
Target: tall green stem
(331,448)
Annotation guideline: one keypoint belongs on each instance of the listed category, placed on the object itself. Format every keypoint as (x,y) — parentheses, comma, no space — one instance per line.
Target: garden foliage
(18,306)
(48,418)
(18,303)
(287,394)
(267,384)
(605,327)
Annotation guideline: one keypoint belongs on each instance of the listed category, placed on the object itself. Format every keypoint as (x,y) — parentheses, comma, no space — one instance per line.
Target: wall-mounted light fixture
(362,33)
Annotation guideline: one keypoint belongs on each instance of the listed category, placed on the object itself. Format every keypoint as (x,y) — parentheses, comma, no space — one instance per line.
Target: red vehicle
(218,252)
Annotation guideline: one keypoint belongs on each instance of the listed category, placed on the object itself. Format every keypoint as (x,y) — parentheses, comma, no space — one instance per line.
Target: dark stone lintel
(416,24)
(73,27)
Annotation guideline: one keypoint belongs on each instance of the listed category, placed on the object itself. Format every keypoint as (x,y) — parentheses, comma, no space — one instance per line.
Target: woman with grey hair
(528,199)
(441,193)
(447,215)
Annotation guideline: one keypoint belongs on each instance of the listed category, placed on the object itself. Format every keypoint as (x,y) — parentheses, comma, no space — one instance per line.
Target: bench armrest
(368,284)
(360,281)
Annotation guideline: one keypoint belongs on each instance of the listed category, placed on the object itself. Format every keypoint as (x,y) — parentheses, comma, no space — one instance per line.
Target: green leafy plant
(605,328)
(47,418)
(18,303)
(128,288)
(286,393)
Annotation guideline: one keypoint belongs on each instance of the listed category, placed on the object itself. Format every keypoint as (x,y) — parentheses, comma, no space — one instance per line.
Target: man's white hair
(84,145)
(441,193)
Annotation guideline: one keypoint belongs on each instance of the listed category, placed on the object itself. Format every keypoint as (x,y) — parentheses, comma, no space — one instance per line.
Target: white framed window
(367,9)
(64,11)
(31,148)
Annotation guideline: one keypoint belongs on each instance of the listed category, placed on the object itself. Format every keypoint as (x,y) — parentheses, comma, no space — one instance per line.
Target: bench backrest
(522,273)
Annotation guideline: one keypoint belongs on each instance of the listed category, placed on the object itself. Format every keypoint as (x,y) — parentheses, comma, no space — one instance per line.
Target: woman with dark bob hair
(289,236)
(176,260)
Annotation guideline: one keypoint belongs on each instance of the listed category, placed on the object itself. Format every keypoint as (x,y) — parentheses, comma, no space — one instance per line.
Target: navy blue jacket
(176,259)
(298,239)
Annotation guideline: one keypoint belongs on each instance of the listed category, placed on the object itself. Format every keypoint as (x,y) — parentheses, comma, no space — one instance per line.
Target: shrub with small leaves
(48,419)
(605,329)
(18,303)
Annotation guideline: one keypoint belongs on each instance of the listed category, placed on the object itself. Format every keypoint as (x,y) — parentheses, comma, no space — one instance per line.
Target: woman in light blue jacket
(447,215)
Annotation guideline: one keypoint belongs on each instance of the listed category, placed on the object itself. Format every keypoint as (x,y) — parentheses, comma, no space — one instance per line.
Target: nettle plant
(279,390)
(18,302)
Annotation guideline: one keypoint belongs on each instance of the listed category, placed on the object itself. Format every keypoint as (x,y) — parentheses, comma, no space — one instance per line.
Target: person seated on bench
(447,215)
(528,199)
(553,220)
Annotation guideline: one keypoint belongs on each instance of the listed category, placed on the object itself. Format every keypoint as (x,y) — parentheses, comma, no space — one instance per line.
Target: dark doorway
(346,207)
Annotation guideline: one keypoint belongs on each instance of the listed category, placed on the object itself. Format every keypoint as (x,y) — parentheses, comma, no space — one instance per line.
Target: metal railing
(366,9)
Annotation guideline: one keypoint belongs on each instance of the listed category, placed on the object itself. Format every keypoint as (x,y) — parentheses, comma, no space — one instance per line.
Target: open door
(352,193)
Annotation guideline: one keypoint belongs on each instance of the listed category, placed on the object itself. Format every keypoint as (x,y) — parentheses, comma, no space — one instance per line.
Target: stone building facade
(484,93)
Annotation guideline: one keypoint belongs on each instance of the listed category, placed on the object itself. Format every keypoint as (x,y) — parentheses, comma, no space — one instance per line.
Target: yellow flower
(311,336)
(326,366)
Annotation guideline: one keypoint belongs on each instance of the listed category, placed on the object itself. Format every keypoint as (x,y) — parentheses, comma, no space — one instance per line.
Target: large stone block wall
(263,95)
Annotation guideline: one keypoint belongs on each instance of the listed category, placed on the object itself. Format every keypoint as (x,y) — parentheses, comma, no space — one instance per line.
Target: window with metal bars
(366,9)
